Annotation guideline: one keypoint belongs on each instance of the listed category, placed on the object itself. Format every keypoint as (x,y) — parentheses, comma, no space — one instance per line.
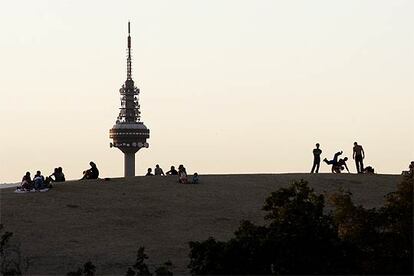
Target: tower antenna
(129,62)
(129,134)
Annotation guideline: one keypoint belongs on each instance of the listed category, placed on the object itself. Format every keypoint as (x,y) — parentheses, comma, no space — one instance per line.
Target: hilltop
(106,221)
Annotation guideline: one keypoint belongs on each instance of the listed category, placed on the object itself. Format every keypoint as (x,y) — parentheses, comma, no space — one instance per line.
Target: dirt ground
(106,221)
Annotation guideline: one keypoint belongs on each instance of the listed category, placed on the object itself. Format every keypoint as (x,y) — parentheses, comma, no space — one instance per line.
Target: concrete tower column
(129,164)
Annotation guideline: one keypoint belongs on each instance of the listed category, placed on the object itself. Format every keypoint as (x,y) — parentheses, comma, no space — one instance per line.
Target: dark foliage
(300,238)
(141,268)
(89,269)
(11,260)
(164,270)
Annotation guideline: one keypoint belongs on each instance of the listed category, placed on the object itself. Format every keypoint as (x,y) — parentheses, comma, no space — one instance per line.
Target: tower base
(129,164)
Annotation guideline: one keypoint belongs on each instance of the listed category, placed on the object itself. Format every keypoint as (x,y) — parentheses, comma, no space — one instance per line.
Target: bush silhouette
(300,237)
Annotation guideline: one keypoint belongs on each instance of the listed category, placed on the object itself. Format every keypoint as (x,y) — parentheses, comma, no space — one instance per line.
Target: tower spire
(129,62)
(129,134)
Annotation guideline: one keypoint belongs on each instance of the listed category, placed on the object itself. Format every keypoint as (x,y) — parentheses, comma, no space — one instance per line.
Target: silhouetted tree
(89,269)
(301,238)
(11,260)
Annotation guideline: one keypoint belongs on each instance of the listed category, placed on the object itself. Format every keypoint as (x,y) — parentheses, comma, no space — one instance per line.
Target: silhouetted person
(195,179)
(149,172)
(172,171)
(340,165)
(182,175)
(316,159)
(38,181)
(411,169)
(369,170)
(158,170)
(334,162)
(359,156)
(57,175)
(27,183)
(92,173)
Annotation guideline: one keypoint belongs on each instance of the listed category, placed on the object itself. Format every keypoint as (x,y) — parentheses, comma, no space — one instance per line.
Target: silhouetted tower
(129,134)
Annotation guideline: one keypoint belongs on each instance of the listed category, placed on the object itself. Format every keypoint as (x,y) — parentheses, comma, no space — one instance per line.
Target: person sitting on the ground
(58,175)
(27,183)
(92,173)
(195,178)
(334,161)
(340,166)
(38,181)
(149,172)
(172,171)
(182,175)
(158,170)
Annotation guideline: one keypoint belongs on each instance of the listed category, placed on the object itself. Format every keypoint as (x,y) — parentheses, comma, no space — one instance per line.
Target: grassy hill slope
(106,221)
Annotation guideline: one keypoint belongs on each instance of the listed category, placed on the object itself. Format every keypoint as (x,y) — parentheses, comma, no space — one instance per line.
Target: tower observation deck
(129,134)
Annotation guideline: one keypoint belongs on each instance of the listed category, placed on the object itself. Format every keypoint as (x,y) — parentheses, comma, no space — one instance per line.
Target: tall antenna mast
(129,134)
(129,62)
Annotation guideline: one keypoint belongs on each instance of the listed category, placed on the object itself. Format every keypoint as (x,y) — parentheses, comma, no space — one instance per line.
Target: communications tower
(129,134)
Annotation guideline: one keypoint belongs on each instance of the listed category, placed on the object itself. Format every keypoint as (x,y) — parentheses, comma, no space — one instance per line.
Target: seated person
(39,181)
(27,183)
(92,173)
(57,175)
(149,172)
(158,170)
(195,179)
(182,175)
(172,171)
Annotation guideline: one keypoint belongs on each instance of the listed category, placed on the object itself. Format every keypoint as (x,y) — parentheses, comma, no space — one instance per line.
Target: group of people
(39,182)
(181,173)
(338,165)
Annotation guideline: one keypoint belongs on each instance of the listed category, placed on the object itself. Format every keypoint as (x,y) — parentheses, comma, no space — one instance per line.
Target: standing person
(158,170)
(358,156)
(316,158)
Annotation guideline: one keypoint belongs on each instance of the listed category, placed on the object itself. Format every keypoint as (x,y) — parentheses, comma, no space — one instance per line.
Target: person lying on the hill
(172,171)
(369,170)
(158,170)
(92,173)
(182,175)
(57,175)
(27,183)
(149,172)
(39,181)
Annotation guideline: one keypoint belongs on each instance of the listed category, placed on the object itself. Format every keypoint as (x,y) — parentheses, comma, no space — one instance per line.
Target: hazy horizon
(226,86)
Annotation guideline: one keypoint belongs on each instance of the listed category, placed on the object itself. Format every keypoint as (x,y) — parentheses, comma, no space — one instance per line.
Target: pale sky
(227,86)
